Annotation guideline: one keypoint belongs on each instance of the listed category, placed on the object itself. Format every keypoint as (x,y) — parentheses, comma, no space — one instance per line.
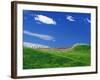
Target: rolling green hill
(50,58)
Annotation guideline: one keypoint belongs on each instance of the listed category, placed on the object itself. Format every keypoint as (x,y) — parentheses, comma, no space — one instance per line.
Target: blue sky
(56,29)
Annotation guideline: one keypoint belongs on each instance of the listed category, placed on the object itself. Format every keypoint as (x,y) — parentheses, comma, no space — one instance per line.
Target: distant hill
(75,46)
(81,46)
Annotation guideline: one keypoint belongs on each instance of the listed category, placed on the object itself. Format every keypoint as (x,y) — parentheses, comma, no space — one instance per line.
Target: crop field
(51,58)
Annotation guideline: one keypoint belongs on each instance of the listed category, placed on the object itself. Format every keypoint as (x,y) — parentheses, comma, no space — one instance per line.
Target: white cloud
(88,20)
(70,18)
(34,45)
(44,19)
(41,36)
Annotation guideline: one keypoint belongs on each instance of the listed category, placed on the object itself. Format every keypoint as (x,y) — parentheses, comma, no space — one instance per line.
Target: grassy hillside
(49,58)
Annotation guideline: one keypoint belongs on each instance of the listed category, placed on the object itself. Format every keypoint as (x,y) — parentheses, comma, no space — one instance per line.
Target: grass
(51,58)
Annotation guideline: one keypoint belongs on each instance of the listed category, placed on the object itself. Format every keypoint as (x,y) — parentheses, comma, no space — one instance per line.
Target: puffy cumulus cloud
(44,19)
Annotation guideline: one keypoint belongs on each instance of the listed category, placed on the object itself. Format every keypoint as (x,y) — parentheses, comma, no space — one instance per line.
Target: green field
(50,58)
